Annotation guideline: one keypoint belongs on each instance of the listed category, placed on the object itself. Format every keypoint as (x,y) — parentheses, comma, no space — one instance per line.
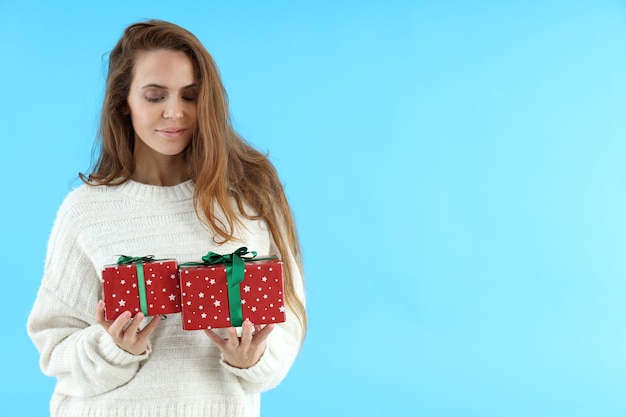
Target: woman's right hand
(125,330)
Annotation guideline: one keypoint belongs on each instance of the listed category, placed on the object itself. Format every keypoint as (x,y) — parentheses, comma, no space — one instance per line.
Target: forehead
(165,67)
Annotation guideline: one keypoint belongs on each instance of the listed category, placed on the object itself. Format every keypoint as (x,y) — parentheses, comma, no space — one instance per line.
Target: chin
(173,153)
(171,150)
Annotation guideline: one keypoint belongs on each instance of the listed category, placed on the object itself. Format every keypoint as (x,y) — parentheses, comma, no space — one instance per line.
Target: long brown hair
(222,165)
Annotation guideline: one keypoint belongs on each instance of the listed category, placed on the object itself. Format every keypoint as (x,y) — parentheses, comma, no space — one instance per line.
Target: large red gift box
(205,301)
(122,287)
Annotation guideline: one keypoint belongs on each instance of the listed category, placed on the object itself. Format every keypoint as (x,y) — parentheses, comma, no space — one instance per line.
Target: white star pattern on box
(164,291)
(206,303)
(122,303)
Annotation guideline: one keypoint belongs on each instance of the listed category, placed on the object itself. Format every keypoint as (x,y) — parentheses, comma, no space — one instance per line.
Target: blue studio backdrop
(457,171)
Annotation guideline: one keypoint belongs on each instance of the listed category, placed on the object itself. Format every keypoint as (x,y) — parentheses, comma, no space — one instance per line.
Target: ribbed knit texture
(182,373)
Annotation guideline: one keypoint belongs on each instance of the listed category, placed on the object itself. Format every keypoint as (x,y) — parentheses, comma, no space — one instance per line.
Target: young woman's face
(162,101)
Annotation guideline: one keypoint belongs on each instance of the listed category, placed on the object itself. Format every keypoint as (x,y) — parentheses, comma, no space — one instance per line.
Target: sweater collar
(148,192)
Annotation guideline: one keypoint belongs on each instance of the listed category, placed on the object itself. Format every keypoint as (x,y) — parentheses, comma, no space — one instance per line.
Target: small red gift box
(141,284)
(205,295)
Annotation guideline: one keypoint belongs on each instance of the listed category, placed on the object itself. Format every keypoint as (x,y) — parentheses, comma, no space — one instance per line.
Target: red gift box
(205,298)
(122,287)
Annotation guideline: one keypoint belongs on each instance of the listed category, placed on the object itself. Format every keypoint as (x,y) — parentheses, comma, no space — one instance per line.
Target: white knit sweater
(182,373)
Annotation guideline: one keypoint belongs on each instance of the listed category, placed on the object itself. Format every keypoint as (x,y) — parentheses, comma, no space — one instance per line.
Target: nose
(173,110)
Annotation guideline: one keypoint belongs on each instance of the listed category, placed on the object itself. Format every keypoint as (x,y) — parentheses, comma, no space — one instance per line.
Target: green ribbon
(234,263)
(141,282)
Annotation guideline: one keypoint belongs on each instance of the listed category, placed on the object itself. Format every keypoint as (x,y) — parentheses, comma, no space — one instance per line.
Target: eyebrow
(153,85)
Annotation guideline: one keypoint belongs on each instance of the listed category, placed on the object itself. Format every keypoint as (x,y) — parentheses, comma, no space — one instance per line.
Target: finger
(151,326)
(100,315)
(133,327)
(117,327)
(143,334)
(233,340)
(215,338)
(262,335)
(246,334)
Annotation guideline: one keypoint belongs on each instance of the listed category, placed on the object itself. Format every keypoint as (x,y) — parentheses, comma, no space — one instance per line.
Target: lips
(172,132)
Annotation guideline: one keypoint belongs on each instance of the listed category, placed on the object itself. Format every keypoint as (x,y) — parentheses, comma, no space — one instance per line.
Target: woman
(173,180)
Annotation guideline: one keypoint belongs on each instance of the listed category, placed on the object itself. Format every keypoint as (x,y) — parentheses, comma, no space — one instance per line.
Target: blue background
(457,171)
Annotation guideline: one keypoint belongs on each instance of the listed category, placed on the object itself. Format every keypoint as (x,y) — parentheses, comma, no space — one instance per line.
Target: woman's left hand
(245,351)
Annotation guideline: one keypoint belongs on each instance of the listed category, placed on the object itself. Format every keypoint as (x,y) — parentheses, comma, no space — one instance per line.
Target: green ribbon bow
(141,283)
(234,263)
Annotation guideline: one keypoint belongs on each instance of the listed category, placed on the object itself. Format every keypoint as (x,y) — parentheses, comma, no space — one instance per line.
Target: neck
(159,177)
(157,169)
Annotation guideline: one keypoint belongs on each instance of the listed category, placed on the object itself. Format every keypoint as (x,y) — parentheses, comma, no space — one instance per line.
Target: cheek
(136,121)
(194,117)
(140,117)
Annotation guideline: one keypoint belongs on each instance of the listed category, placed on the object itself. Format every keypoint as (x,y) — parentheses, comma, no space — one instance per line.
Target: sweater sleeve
(73,347)
(282,347)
